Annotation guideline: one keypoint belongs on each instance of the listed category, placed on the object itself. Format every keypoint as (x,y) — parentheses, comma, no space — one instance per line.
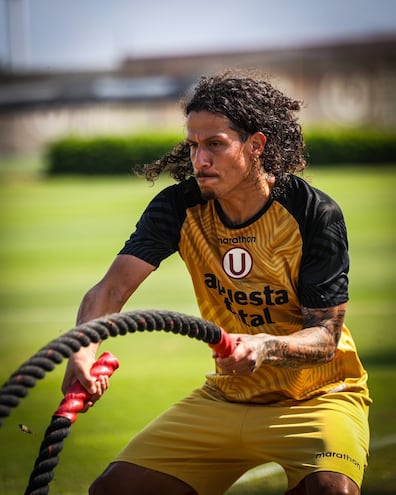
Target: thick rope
(48,458)
(35,368)
(45,360)
(66,414)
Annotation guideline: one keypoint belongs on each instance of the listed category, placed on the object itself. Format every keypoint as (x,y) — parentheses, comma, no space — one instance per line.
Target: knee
(111,481)
(97,488)
(328,483)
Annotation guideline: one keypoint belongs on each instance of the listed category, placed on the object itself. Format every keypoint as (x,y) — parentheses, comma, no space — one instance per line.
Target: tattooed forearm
(311,347)
(330,318)
(315,344)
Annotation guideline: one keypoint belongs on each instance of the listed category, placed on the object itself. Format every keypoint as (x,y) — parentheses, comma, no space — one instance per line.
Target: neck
(241,208)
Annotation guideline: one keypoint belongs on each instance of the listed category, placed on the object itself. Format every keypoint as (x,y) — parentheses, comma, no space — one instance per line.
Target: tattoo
(315,344)
(331,319)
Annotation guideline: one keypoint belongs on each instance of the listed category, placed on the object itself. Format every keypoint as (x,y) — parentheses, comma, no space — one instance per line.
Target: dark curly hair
(252,105)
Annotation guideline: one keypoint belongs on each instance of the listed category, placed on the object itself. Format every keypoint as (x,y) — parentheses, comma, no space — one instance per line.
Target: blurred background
(88,86)
(119,67)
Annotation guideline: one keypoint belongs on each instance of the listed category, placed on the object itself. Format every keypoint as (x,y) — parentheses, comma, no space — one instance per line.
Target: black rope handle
(35,368)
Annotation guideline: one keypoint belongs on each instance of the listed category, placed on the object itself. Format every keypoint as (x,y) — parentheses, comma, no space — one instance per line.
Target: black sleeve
(325,261)
(157,232)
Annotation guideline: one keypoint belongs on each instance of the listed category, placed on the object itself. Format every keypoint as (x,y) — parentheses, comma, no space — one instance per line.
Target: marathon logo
(338,455)
(239,239)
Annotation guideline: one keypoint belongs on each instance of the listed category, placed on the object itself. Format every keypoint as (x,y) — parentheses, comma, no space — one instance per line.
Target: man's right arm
(108,296)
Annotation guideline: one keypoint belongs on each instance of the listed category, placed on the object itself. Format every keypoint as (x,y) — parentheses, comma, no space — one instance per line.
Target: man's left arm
(316,343)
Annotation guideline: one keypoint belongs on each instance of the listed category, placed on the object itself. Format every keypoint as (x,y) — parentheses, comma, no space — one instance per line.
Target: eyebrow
(220,135)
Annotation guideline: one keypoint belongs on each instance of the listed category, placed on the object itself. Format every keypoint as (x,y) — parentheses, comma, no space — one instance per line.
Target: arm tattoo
(315,344)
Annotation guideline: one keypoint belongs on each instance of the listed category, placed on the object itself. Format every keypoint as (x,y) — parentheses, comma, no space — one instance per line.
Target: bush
(350,146)
(118,155)
(106,155)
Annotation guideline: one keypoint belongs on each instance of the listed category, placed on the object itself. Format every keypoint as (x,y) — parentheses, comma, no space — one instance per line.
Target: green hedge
(350,146)
(118,155)
(106,155)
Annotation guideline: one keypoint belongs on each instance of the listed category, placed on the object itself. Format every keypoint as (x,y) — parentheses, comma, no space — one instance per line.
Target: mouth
(201,177)
(206,183)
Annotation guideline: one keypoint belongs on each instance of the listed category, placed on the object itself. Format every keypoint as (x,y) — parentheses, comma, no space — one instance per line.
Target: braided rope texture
(48,458)
(45,360)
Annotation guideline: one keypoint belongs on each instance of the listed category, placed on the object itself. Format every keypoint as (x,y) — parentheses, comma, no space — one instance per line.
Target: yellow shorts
(209,443)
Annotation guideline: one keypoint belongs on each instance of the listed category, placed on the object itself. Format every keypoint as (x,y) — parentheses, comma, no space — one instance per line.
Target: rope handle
(226,346)
(76,398)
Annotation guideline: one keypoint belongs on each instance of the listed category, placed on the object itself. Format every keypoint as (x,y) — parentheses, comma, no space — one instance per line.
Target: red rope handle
(226,346)
(75,399)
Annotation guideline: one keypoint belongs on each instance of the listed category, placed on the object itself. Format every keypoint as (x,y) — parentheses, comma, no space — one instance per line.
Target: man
(268,258)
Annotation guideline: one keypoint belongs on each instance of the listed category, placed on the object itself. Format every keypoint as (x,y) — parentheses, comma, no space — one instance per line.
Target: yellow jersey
(255,277)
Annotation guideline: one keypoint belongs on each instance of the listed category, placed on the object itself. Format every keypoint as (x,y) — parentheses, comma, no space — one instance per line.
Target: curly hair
(252,105)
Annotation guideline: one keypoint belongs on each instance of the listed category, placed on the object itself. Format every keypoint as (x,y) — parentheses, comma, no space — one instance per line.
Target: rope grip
(75,399)
(226,346)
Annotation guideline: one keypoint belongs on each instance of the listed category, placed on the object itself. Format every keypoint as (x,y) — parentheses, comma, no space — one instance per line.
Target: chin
(208,195)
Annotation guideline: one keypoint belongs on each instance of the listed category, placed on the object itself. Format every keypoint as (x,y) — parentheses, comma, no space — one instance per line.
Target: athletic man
(267,254)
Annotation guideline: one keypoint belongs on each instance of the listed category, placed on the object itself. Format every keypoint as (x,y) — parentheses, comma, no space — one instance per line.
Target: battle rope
(64,346)
(73,402)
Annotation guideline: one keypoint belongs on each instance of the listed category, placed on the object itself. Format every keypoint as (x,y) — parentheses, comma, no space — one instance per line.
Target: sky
(98,34)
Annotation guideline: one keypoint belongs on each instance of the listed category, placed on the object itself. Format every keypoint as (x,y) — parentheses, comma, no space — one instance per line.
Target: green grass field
(58,237)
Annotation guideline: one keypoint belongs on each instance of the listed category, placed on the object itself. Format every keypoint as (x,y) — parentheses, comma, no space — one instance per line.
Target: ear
(257,143)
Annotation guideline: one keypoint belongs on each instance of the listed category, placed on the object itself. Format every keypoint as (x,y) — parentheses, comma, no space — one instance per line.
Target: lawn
(58,237)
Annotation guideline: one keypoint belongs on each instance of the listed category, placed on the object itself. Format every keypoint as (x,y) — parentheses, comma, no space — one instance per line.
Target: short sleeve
(325,261)
(157,233)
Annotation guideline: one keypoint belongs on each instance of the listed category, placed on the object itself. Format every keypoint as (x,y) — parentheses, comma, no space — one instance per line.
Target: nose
(200,158)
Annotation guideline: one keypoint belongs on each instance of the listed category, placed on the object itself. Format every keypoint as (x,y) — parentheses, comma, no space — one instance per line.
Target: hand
(78,369)
(246,357)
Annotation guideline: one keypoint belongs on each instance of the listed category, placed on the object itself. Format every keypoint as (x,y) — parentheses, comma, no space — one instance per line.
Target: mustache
(201,174)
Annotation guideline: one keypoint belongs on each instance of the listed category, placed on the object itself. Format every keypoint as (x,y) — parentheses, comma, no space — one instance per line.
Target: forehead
(206,124)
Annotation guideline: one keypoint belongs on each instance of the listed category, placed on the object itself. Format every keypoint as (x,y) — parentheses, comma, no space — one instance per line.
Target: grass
(58,236)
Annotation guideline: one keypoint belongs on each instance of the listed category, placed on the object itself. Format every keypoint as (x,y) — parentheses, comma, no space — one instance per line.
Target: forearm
(306,348)
(315,344)
(109,296)
(98,302)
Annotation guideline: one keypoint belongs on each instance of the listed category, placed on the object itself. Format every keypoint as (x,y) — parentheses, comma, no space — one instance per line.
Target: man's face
(221,162)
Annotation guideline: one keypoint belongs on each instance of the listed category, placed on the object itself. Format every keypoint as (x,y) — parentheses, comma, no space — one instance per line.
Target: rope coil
(45,360)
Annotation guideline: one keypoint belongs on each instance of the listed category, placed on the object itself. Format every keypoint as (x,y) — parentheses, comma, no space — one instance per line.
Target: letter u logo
(237,262)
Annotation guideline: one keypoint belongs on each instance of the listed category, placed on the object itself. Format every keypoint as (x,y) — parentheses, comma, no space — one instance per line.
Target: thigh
(122,477)
(198,441)
(326,434)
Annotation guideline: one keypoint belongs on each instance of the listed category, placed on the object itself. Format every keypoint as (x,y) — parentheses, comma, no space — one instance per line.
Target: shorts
(209,443)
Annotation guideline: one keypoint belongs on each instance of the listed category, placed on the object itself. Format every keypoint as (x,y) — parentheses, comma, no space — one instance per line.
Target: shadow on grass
(380,478)
(256,489)
(378,491)
(272,482)
(386,358)
(246,489)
